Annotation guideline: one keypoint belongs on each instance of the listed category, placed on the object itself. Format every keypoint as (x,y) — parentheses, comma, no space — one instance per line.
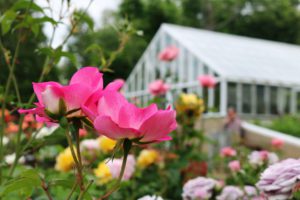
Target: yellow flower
(103,173)
(188,103)
(64,161)
(106,144)
(147,157)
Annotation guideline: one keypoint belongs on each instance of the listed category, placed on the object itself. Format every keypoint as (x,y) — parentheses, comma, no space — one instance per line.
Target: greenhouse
(257,77)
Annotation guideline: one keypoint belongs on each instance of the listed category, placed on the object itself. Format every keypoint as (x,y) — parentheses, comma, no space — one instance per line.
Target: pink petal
(115,85)
(89,76)
(110,104)
(131,116)
(75,95)
(159,125)
(105,126)
(40,87)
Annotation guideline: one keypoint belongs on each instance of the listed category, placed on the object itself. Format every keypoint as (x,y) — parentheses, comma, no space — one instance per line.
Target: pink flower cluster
(258,158)
(228,152)
(109,111)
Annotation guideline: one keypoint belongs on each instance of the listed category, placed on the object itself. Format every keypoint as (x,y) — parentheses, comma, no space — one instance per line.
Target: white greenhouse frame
(251,92)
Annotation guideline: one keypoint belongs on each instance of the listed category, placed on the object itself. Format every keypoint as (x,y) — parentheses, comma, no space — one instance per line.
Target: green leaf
(24,183)
(25,4)
(6,20)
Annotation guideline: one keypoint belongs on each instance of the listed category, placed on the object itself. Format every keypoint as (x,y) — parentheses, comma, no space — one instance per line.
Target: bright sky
(95,10)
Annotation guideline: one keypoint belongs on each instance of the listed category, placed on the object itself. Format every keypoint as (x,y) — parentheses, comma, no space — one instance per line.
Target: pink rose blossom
(119,119)
(158,87)
(116,164)
(228,152)
(279,180)
(257,158)
(83,84)
(169,53)
(277,143)
(207,81)
(231,193)
(234,166)
(198,188)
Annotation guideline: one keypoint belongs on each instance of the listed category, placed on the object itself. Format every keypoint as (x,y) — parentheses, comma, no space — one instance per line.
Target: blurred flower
(147,157)
(119,119)
(169,53)
(103,174)
(231,193)
(198,188)
(279,180)
(148,197)
(257,158)
(64,161)
(234,166)
(5,140)
(250,191)
(189,104)
(116,164)
(11,128)
(227,152)
(7,116)
(277,143)
(89,145)
(106,144)
(207,81)
(46,131)
(9,159)
(82,132)
(158,87)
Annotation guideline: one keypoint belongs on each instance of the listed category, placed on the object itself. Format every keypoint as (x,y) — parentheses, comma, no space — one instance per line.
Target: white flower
(5,140)
(257,158)
(9,159)
(90,144)
(153,197)
(45,131)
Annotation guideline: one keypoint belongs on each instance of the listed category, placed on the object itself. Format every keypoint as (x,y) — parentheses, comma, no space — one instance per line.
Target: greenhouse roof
(241,58)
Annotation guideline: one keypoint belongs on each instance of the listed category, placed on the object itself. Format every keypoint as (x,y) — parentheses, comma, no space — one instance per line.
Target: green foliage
(287,124)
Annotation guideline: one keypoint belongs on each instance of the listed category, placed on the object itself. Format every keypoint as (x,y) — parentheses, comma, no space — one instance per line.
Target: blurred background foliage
(268,19)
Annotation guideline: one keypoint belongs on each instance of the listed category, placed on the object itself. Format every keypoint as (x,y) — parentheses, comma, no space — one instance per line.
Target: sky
(95,10)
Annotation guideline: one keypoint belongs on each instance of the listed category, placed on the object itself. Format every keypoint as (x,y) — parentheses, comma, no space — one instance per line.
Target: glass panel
(217,98)
(260,99)
(143,76)
(287,106)
(195,68)
(246,102)
(231,95)
(273,100)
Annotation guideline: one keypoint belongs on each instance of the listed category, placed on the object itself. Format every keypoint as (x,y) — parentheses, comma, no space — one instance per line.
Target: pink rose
(158,87)
(228,152)
(118,119)
(234,166)
(169,53)
(277,143)
(207,81)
